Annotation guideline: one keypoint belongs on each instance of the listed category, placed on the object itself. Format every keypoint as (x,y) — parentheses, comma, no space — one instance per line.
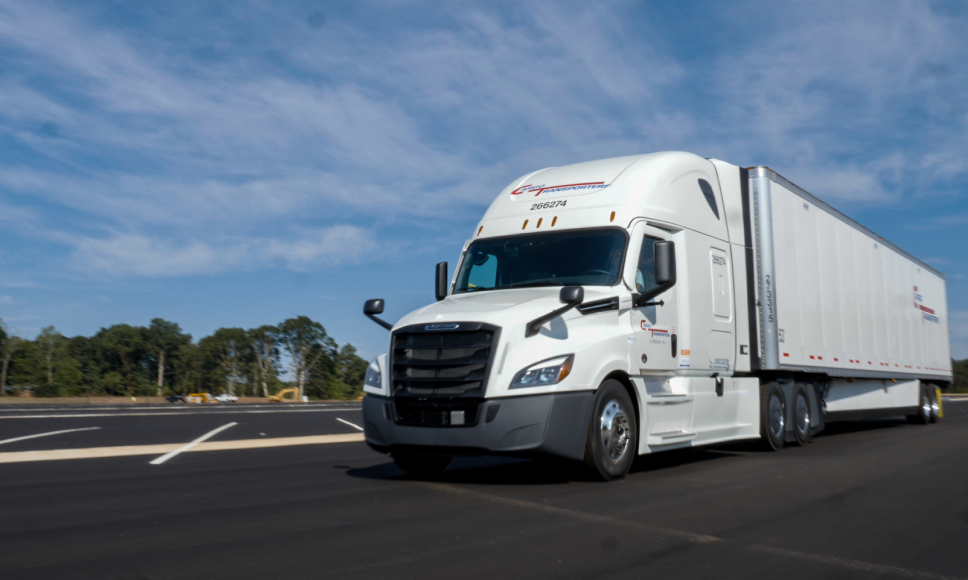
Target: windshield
(586,257)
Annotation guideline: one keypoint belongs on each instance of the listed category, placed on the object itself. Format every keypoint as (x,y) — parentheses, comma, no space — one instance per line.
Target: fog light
(456,417)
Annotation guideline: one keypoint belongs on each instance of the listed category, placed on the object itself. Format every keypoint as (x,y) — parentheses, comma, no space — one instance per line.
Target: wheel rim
(615,431)
(935,408)
(803,414)
(777,420)
(925,406)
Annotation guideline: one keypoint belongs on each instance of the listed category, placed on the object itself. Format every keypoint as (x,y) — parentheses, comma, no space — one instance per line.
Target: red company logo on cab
(539,189)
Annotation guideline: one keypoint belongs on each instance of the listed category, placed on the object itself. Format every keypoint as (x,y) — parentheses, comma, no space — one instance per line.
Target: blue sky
(238,163)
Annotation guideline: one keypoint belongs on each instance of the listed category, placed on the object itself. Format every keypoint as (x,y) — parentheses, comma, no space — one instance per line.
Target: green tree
(9,344)
(352,370)
(49,340)
(309,348)
(121,349)
(186,368)
(27,368)
(68,377)
(229,356)
(264,342)
(960,369)
(163,338)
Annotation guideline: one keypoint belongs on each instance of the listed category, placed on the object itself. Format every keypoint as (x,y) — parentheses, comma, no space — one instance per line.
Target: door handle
(674,347)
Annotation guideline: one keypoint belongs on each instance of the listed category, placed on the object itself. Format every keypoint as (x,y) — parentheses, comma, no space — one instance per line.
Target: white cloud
(6,300)
(171,165)
(133,254)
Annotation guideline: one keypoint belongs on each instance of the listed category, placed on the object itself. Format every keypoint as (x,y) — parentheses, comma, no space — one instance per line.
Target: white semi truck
(653,302)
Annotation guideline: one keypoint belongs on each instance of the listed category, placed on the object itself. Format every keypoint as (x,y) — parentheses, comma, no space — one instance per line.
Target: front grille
(436,371)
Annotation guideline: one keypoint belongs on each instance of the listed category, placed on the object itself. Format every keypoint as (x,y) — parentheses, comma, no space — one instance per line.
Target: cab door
(653,344)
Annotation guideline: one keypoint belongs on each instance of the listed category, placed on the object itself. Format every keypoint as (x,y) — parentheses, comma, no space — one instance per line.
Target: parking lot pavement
(877,499)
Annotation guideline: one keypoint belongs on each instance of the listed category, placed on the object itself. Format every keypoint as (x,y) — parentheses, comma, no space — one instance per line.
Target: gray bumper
(553,424)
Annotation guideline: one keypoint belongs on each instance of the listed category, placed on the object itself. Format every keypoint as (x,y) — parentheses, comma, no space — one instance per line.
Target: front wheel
(612,433)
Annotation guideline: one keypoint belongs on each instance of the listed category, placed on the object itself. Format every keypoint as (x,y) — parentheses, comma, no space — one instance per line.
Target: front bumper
(553,424)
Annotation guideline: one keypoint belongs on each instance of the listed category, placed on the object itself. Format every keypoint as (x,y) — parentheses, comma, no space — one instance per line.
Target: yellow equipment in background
(281,396)
(200,398)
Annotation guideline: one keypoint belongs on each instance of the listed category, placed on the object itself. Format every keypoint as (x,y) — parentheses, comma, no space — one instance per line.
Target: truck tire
(801,415)
(772,416)
(923,416)
(420,465)
(935,405)
(612,441)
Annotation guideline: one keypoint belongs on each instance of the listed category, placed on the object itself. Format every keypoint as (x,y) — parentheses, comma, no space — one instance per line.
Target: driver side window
(645,270)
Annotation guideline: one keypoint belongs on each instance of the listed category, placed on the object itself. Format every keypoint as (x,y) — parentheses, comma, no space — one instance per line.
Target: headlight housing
(373,377)
(547,372)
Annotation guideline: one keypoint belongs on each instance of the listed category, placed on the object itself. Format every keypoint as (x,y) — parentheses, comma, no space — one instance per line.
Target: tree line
(161,360)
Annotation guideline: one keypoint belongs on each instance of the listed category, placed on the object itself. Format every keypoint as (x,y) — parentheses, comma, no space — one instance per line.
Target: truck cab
(614,276)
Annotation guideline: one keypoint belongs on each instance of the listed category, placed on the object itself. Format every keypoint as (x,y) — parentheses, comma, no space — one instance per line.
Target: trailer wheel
(935,405)
(612,441)
(420,465)
(923,416)
(801,415)
(772,416)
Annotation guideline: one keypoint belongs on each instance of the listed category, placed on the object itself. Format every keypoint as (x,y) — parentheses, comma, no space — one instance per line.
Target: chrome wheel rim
(615,431)
(777,420)
(925,406)
(803,414)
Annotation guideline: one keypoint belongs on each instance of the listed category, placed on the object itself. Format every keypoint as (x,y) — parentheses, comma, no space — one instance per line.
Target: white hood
(499,307)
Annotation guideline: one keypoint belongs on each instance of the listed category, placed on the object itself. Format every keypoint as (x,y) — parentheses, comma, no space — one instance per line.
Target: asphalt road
(878,499)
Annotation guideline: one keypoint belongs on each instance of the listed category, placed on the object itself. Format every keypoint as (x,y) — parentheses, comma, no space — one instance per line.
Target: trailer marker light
(554,221)
(479,230)
(836,360)
(539,222)
(525,224)
(611,219)
(786,354)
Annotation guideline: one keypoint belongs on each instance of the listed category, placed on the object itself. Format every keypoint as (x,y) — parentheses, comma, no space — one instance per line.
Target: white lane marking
(338,419)
(130,450)
(43,407)
(183,448)
(171,414)
(46,434)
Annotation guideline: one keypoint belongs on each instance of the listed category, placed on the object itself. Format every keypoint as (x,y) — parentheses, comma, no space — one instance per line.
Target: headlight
(373,375)
(547,372)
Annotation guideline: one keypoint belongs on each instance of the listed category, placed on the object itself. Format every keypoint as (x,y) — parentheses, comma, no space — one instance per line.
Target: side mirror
(373,307)
(442,282)
(665,263)
(573,295)
(665,274)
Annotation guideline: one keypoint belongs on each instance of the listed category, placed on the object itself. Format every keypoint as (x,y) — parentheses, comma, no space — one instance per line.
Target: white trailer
(653,302)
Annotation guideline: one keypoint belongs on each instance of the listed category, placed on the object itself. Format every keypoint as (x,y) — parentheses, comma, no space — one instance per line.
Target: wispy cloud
(193,145)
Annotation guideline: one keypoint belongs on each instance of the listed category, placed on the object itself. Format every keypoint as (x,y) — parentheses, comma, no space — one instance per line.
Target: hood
(499,307)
